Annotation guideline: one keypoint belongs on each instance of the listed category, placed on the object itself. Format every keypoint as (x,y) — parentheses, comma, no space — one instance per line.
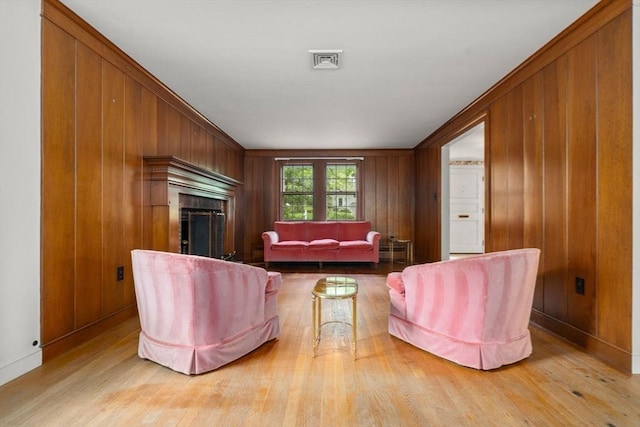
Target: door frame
(445,183)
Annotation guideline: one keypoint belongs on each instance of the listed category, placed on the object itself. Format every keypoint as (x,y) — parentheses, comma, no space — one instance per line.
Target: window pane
(341,177)
(297,178)
(341,207)
(297,207)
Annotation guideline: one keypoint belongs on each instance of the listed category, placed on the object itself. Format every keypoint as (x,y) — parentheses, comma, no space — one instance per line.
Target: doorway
(463,204)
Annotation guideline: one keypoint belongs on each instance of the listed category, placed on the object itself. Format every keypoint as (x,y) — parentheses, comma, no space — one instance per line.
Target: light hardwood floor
(280,384)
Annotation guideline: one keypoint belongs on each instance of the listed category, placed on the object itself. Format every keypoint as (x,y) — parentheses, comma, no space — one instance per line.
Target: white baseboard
(20,367)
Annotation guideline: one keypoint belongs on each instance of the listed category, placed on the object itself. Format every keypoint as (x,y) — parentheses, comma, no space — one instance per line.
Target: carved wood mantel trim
(166,177)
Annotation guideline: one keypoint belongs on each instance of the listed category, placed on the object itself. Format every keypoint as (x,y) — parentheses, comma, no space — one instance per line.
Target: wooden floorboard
(104,383)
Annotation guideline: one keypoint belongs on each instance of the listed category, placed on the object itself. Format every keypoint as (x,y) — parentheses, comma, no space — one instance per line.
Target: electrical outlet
(120,273)
(579,286)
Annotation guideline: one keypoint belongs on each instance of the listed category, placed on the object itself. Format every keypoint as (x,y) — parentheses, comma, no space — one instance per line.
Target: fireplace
(202,233)
(189,209)
(202,226)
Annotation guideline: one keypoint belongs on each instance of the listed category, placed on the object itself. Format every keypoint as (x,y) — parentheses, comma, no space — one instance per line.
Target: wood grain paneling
(427,184)
(113,226)
(614,246)
(554,250)
(149,122)
(581,176)
(499,175)
(89,238)
(185,139)
(133,181)
(533,116)
(58,183)
(515,166)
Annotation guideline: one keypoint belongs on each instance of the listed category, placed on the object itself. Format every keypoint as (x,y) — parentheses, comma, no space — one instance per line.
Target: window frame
(319,186)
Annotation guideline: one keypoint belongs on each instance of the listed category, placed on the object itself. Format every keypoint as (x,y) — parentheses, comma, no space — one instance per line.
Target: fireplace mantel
(166,178)
(178,172)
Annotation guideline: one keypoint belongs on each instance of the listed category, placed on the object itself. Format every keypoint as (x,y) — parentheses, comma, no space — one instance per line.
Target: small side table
(334,288)
(408,245)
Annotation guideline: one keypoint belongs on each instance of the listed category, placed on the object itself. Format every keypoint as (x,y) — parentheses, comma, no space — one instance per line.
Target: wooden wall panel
(185,139)
(581,175)
(554,250)
(149,122)
(370,210)
(209,143)
(383,221)
(499,176)
(149,146)
(507,172)
(89,238)
(614,246)
(390,205)
(133,181)
(533,116)
(427,183)
(58,181)
(112,186)
(405,198)
(515,166)
(217,156)
(164,133)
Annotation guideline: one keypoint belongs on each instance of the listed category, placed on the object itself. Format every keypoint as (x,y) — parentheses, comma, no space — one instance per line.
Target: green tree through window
(297,192)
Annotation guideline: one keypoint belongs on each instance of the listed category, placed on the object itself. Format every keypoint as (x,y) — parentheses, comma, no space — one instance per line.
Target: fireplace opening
(202,232)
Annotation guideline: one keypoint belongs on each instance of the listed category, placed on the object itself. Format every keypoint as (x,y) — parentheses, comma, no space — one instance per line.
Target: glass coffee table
(333,288)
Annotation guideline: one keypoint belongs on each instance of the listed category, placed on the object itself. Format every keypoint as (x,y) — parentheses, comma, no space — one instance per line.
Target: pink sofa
(318,241)
(197,313)
(473,311)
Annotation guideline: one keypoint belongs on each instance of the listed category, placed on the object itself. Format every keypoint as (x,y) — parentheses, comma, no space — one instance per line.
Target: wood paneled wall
(101,114)
(558,153)
(388,177)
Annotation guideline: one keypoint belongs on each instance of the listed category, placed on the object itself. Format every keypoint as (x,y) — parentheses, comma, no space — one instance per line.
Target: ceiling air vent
(325,59)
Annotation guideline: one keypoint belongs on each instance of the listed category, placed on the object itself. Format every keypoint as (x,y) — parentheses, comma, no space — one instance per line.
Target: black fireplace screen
(202,232)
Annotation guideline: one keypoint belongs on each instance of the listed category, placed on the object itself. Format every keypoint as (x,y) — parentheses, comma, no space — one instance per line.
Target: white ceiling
(407,67)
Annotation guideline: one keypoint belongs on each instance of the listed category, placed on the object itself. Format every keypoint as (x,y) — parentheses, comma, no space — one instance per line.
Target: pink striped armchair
(473,311)
(197,313)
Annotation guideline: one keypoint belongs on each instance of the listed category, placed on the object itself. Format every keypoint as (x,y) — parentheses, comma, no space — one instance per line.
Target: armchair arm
(373,237)
(274,282)
(270,237)
(395,283)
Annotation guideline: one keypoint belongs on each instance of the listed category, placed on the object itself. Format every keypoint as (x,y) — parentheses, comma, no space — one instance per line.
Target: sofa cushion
(353,230)
(323,244)
(322,230)
(291,230)
(290,244)
(356,244)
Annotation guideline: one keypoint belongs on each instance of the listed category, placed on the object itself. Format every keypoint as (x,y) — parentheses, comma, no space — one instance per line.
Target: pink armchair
(473,311)
(197,313)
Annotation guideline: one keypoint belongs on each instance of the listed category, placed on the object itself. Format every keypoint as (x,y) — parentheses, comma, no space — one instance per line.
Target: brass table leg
(354,316)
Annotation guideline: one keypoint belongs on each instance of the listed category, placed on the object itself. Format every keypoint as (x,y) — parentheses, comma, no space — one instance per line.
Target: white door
(466,196)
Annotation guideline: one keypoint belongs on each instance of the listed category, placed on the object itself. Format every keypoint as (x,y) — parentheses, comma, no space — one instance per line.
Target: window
(320,190)
(297,192)
(341,192)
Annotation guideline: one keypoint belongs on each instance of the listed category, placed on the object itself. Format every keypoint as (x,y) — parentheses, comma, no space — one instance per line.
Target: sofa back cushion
(291,230)
(353,230)
(319,230)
